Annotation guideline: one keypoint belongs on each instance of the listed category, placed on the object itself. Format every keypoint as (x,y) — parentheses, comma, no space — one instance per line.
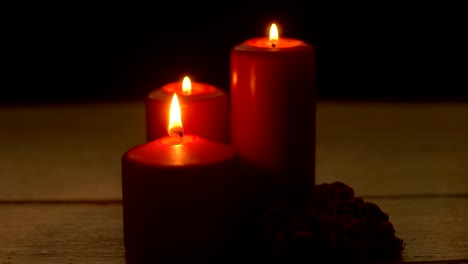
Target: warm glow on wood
(186,85)
(273,35)
(175,127)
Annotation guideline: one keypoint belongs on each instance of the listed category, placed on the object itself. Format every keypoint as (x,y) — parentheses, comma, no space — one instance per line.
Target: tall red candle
(176,195)
(273,107)
(205,108)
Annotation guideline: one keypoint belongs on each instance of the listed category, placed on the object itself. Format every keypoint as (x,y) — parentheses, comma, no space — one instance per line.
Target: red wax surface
(205,111)
(273,107)
(175,195)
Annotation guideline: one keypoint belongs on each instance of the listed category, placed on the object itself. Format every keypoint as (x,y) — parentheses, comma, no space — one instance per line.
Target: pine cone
(334,225)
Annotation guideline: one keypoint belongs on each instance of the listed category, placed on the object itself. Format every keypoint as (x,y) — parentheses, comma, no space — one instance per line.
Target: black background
(365,50)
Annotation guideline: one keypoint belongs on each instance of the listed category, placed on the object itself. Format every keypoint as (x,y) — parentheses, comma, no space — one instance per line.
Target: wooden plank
(66,151)
(434,230)
(73,151)
(394,148)
(63,233)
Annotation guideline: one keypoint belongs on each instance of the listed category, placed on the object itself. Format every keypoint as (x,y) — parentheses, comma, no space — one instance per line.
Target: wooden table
(60,185)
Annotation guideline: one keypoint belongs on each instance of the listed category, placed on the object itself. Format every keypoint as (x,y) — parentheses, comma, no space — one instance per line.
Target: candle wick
(273,45)
(177,131)
(181,136)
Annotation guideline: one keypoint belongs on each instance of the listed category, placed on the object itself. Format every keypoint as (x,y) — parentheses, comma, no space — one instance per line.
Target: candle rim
(197,88)
(281,43)
(162,94)
(176,141)
(193,149)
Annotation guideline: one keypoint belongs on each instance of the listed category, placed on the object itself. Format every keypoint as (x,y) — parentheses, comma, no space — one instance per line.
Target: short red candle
(205,111)
(273,107)
(176,194)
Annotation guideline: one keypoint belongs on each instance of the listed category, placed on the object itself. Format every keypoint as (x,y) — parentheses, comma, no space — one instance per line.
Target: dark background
(365,50)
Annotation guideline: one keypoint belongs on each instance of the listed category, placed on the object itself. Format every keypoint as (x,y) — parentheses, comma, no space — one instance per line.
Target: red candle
(175,194)
(205,108)
(273,107)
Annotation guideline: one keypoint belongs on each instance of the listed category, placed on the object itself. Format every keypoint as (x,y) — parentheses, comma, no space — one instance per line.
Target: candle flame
(273,35)
(175,127)
(186,85)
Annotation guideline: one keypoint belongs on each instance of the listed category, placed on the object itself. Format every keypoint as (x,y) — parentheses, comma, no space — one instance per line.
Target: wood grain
(432,228)
(44,233)
(435,230)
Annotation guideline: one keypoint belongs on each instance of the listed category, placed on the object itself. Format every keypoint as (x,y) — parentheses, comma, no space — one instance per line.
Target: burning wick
(175,127)
(273,35)
(186,85)
(176,131)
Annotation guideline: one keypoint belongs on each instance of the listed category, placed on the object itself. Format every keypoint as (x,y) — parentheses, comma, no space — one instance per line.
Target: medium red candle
(205,108)
(175,194)
(273,107)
